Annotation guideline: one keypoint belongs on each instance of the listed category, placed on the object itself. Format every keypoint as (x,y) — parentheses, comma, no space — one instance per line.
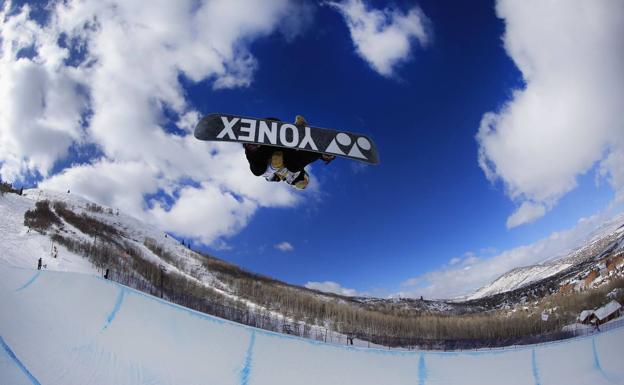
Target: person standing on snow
(278,164)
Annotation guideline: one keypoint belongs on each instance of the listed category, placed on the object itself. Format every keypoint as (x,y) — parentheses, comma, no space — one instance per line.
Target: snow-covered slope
(517,278)
(21,247)
(133,230)
(67,328)
(606,238)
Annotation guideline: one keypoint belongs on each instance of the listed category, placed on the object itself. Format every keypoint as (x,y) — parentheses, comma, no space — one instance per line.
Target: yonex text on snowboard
(269,132)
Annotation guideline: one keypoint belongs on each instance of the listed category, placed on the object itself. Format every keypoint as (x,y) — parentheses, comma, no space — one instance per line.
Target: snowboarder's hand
(251,146)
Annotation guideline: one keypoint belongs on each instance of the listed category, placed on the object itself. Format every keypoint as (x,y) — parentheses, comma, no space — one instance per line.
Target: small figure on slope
(278,164)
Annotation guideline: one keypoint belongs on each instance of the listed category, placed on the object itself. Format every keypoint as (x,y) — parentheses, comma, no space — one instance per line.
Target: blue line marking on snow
(113,313)
(17,362)
(246,370)
(422,369)
(30,281)
(535,368)
(597,361)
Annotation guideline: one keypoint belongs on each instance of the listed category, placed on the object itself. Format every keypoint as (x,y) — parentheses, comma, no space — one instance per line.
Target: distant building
(585,316)
(608,312)
(601,315)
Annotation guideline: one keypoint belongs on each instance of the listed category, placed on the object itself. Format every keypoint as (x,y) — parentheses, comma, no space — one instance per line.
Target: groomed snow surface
(70,328)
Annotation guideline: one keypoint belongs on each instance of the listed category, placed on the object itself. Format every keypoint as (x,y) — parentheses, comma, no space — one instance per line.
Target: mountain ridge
(593,246)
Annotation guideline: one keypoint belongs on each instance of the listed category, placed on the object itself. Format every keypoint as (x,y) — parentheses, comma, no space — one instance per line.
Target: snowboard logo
(276,133)
(343,140)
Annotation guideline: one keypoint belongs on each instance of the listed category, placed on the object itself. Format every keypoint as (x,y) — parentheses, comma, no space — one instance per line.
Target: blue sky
(419,78)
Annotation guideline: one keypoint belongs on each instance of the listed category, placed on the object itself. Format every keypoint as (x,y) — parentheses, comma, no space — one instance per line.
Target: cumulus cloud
(566,119)
(331,287)
(220,213)
(463,275)
(383,38)
(526,213)
(284,246)
(40,102)
(612,169)
(454,261)
(105,75)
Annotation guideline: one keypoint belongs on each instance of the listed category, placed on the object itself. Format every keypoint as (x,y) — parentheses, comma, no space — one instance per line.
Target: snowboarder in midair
(278,164)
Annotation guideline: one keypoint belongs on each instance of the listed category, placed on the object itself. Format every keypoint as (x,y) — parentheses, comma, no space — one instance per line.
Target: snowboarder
(278,164)
(39,264)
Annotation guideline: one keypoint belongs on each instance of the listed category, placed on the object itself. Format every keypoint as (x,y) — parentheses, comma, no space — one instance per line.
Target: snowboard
(235,128)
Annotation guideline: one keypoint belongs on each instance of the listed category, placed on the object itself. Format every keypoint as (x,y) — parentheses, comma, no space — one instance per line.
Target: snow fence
(67,328)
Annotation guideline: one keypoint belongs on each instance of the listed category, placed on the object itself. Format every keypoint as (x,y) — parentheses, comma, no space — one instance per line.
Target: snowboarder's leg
(258,158)
(297,160)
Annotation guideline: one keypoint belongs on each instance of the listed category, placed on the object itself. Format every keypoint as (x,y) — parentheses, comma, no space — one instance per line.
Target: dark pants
(294,160)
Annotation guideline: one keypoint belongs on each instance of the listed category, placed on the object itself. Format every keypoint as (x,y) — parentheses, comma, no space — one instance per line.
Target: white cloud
(205,213)
(284,246)
(331,287)
(383,38)
(454,261)
(488,250)
(40,102)
(115,184)
(470,258)
(568,116)
(106,75)
(462,276)
(612,169)
(526,213)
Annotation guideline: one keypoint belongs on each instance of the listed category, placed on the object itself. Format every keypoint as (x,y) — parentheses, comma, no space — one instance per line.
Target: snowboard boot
(302,180)
(300,121)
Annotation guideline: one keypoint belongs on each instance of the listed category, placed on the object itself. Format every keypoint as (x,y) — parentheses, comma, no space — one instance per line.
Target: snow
(68,328)
(517,278)
(22,248)
(578,328)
